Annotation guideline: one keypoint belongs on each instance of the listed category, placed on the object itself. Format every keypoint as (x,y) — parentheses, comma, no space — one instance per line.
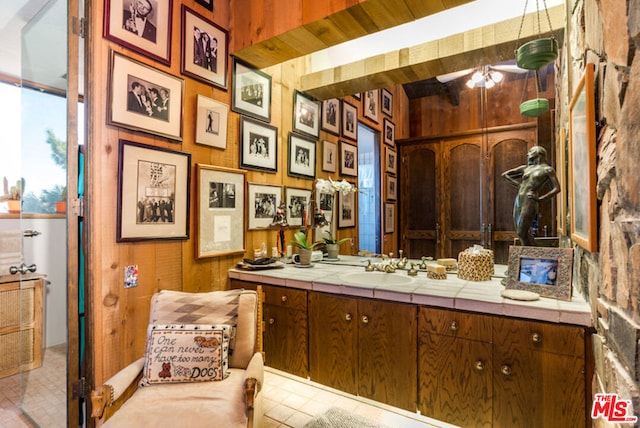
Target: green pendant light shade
(537,53)
(535,107)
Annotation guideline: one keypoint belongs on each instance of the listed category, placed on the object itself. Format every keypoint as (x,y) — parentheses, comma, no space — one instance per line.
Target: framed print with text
(251,91)
(211,122)
(302,156)
(264,199)
(297,201)
(331,116)
(220,216)
(258,145)
(306,114)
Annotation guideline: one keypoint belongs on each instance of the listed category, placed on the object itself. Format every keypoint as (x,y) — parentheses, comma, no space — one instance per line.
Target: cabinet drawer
(534,335)
(285,297)
(456,324)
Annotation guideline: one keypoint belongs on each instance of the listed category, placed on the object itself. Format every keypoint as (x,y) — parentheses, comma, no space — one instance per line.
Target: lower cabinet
(364,347)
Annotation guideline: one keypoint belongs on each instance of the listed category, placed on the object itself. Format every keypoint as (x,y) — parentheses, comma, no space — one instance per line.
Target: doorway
(369,227)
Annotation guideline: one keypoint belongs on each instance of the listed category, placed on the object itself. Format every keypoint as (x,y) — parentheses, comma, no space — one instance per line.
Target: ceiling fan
(484,76)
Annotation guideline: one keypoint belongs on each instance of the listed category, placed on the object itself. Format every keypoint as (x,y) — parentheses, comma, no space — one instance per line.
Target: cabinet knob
(365,319)
(479,365)
(347,317)
(506,370)
(272,321)
(454,326)
(536,337)
(284,298)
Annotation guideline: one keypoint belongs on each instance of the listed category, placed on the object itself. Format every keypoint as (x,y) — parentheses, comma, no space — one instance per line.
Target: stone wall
(606,33)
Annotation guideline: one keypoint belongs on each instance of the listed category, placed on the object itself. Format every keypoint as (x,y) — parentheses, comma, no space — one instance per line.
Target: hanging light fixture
(486,78)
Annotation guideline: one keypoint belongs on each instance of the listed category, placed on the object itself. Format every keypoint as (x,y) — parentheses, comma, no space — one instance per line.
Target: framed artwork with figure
(306,114)
(251,91)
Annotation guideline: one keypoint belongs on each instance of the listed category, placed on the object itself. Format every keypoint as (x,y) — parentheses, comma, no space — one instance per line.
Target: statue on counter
(531,179)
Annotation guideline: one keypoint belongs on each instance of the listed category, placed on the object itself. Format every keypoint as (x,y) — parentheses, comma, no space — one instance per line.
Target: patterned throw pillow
(186,353)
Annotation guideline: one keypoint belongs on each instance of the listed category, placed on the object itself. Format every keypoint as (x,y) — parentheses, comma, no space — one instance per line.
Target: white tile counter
(452,293)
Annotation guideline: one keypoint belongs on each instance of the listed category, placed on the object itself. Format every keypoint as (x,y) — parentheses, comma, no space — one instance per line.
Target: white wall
(49,252)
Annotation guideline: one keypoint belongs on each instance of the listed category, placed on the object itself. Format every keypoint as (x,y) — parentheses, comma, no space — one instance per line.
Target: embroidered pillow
(186,353)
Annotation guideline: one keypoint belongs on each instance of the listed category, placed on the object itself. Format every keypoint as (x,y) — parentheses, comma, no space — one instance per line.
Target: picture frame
(211,122)
(347,210)
(357,96)
(206,3)
(331,116)
(132,88)
(329,156)
(371,105)
(386,102)
(390,160)
(153,193)
(325,203)
(306,114)
(251,91)
(258,145)
(391,187)
(298,202)
(561,171)
(302,156)
(582,163)
(205,49)
(349,121)
(543,270)
(348,159)
(263,200)
(389,132)
(220,216)
(389,217)
(120,27)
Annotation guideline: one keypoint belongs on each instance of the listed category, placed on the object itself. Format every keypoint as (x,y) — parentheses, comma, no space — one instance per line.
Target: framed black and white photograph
(331,116)
(306,114)
(348,159)
(389,217)
(302,156)
(371,105)
(297,201)
(251,91)
(391,187)
(386,102)
(329,156)
(325,203)
(543,270)
(205,47)
(144,26)
(347,211)
(263,201)
(143,98)
(153,193)
(211,122)
(390,160)
(206,3)
(258,145)
(389,133)
(220,216)
(349,121)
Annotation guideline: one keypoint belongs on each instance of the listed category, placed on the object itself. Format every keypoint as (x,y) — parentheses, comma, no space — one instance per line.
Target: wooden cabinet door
(539,375)
(285,339)
(387,336)
(333,341)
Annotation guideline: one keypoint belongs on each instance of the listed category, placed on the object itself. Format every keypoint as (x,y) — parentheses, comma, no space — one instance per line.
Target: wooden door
(333,347)
(419,200)
(387,339)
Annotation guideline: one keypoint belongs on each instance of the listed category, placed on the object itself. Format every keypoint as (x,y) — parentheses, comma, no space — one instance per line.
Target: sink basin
(376,278)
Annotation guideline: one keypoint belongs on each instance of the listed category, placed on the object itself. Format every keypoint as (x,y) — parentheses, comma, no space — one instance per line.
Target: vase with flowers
(333,245)
(330,187)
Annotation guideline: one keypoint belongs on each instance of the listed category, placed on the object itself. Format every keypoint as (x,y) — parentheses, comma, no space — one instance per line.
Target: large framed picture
(371,105)
(331,116)
(391,187)
(264,199)
(297,201)
(390,160)
(349,121)
(543,270)
(251,91)
(386,102)
(211,122)
(582,163)
(258,145)
(144,26)
(144,99)
(302,156)
(389,132)
(205,48)
(220,215)
(348,159)
(306,114)
(153,193)
(347,211)
(389,217)
(329,156)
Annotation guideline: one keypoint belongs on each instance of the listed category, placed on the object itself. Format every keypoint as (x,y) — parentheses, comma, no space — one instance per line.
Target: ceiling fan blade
(453,76)
(508,68)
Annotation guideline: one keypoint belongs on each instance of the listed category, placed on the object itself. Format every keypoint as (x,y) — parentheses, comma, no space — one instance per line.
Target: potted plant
(13,196)
(305,247)
(61,205)
(333,245)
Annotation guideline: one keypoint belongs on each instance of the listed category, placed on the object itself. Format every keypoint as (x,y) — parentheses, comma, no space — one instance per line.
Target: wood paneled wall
(117,317)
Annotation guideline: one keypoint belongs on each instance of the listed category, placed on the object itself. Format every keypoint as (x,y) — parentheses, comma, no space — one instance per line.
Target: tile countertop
(453,293)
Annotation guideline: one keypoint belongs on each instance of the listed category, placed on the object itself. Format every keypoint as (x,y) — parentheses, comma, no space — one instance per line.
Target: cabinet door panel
(285,340)
(333,341)
(387,336)
(455,380)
